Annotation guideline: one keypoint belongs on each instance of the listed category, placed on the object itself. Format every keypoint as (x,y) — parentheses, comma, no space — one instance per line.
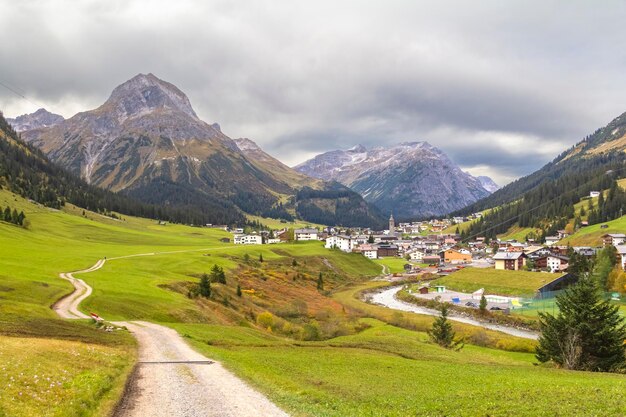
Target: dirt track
(171,379)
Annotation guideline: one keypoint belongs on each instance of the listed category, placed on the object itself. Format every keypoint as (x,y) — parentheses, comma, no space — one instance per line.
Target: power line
(535,208)
(12,89)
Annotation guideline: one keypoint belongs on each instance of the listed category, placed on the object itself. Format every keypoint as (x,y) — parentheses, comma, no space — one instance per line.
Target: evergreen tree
(238,290)
(7,214)
(217,274)
(320,282)
(588,332)
(294,263)
(370,239)
(442,332)
(483,304)
(261,257)
(205,286)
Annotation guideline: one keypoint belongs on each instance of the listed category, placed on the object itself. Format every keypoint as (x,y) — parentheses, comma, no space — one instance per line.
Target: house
(551,240)
(585,251)
(452,256)
(431,259)
(225,240)
(248,240)
(594,194)
(553,263)
(305,234)
(614,239)
(416,255)
(369,251)
(621,250)
(423,289)
(512,261)
(387,250)
(342,242)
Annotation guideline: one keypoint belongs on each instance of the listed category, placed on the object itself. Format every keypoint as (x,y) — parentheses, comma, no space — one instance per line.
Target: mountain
(37,120)
(147,141)
(413,179)
(26,171)
(545,199)
(488,184)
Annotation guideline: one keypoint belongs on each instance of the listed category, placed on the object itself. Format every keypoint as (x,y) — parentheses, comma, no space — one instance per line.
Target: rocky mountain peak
(146,93)
(358,149)
(42,118)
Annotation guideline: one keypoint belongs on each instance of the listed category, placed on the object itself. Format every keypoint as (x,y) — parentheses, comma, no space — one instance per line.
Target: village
(426,249)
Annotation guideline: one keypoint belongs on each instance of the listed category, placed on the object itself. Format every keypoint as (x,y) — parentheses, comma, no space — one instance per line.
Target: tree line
(12,216)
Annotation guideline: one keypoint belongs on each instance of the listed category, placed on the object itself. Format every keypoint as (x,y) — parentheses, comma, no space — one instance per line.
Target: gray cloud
(502,87)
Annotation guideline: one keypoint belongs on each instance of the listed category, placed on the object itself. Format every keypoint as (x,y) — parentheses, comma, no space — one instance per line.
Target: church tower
(392,225)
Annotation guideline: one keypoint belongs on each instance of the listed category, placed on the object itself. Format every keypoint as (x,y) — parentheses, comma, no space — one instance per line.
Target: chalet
(369,251)
(594,194)
(248,240)
(614,239)
(452,256)
(585,251)
(553,263)
(345,243)
(552,240)
(387,250)
(621,250)
(513,261)
(225,240)
(416,255)
(305,234)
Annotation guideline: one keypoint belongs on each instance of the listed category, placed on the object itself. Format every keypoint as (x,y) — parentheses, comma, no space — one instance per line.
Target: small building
(416,255)
(248,240)
(552,262)
(453,256)
(431,259)
(513,261)
(613,239)
(594,194)
(369,251)
(344,243)
(225,240)
(305,234)
(621,250)
(387,250)
(423,289)
(552,240)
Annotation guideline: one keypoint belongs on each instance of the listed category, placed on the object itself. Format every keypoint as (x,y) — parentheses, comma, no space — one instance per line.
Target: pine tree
(483,304)
(370,239)
(588,332)
(260,257)
(442,332)
(320,282)
(7,214)
(238,290)
(205,286)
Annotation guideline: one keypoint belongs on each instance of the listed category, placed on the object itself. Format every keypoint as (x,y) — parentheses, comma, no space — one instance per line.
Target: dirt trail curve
(171,378)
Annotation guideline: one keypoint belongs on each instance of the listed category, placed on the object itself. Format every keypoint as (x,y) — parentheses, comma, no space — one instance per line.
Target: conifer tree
(442,332)
(483,304)
(205,286)
(587,334)
(238,290)
(320,282)
(260,257)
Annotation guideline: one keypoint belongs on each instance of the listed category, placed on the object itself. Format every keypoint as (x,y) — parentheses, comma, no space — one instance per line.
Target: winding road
(171,378)
(387,298)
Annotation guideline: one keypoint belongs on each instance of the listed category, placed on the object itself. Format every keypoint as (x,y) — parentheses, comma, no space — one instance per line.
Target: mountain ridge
(410,179)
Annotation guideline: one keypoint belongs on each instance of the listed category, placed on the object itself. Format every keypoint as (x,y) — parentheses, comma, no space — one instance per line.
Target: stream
(387,298)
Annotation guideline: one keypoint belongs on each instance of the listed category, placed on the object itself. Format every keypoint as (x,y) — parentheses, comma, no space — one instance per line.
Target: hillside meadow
(316,352)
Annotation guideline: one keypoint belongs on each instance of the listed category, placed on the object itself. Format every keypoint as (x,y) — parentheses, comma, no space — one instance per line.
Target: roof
(618,235)
(309,231)
(553,238)
(621,249)
(505,256)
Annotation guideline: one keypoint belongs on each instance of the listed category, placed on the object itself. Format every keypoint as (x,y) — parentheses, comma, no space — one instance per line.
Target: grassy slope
(331,378)
(496,281)
(518,233)
(277,224)
(390,371)
(591,235)
(395,265)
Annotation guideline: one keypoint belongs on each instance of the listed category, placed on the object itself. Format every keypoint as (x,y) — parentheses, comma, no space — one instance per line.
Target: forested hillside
(545,199)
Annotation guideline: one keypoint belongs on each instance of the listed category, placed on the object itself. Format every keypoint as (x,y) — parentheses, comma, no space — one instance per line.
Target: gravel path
(387,298)
(197,387)
(172,379)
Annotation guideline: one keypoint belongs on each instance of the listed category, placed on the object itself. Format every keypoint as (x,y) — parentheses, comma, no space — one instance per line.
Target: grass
(518,233)
(395,265)
(44,377)
(388,371)
(496,281)
(592,235)
(278,224)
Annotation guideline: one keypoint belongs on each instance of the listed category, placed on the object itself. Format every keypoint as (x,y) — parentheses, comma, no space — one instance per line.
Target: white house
(594,194)
(555,263)
(416,255)
(369,251)
(551,240)
(305,234)
(248,240)
(345,243)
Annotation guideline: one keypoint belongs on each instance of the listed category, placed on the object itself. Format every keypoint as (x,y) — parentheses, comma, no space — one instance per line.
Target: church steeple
(392,225)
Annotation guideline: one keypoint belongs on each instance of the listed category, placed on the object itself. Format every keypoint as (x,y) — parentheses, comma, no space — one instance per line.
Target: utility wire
(12,89)
(535,208)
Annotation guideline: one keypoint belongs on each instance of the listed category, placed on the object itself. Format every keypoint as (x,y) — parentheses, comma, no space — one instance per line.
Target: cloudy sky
(501,86)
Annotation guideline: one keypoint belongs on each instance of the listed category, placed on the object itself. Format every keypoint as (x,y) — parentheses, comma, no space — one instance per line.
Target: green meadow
(387,367)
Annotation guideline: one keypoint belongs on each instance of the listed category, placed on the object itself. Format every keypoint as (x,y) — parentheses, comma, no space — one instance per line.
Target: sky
(501,86)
